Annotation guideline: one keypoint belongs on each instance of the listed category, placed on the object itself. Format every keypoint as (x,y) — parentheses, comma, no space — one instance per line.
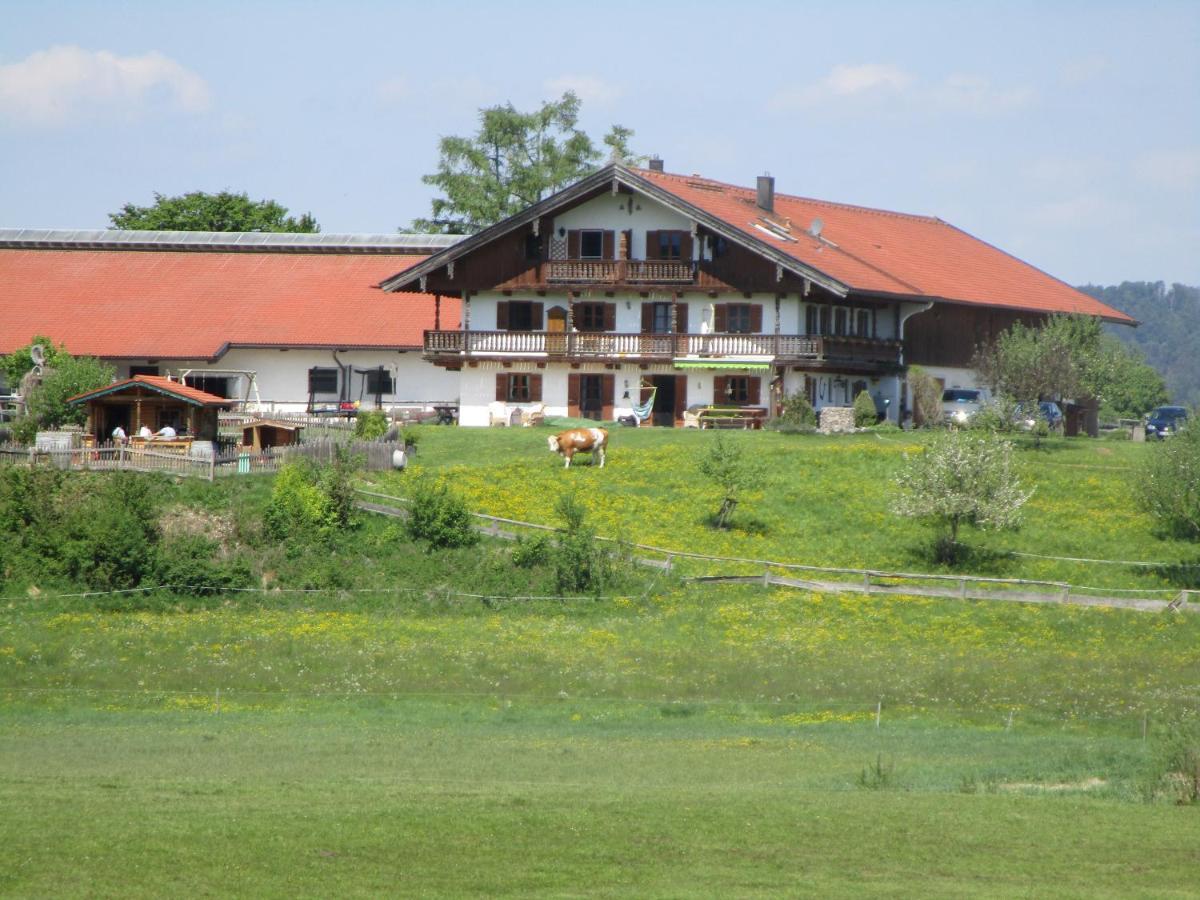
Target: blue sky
(1065,133)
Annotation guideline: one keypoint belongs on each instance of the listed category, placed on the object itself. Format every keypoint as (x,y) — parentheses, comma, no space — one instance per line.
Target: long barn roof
(194,300)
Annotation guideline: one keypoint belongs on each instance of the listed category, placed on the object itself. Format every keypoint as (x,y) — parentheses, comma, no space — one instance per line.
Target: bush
(533,551)
(727,466)
(336,482)
(439,516)
(797,411)
(370,425)
(579,564)
(1169,482)
(1175,766)
(298,507)
(107,538)
(864,410)
(190,565)
(926,396)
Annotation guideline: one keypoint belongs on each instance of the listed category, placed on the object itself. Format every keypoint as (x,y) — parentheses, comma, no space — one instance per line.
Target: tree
(199,211)
(16,364)
(514,160)
(926,397)
(962,478)
(727,465)
(865,413)
(1169,482)
(64,376)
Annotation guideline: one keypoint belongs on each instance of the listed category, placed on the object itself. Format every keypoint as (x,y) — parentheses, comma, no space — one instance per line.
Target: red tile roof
(193,305)
(161,385)
(872,250)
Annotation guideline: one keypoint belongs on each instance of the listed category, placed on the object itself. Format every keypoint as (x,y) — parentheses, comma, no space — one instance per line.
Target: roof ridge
(243,241)
(933,220)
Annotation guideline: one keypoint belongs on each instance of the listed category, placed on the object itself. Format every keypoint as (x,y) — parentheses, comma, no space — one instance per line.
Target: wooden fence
(861,581)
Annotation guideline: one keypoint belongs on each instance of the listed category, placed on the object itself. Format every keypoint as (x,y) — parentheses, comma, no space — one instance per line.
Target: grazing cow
(587,440)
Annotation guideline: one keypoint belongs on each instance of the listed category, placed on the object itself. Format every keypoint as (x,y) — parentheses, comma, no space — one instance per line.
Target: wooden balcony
(867,354)
(618,271)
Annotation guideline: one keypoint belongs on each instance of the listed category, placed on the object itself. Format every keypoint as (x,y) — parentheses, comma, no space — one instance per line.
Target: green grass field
(670,739)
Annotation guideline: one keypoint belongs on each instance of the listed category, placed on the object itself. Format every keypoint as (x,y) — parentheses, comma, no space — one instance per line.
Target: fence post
(867,582)
(962,588)
(766,577)
(1066,593)
(670,561)
(878,712)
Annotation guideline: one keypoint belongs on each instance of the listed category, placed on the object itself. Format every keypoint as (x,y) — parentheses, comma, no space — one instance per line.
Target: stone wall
(836,420)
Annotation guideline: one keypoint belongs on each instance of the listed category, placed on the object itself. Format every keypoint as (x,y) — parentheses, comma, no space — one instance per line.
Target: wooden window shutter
(535,388)
(647,318)
(502,316)
(610,317)
(685,248)
(573,244)
(681,323)
(627,248)
(609,250)
(502,386)
(721,317)
(651,245)
(756,318)
(753,390)
(572,395)
(720,398)
(537,318)
(608,390)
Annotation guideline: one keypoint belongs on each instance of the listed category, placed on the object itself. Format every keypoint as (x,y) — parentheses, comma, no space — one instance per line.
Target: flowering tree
(961,478)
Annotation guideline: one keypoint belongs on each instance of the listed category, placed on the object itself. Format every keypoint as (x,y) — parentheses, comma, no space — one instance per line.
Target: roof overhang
(957,301)
(615,175)
(212,401)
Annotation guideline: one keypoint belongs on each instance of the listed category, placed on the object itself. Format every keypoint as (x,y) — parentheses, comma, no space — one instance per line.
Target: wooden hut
(154,402)
(263,434)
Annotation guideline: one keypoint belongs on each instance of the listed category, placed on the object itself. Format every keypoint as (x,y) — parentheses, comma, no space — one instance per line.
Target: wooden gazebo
(263,434)
(154,402)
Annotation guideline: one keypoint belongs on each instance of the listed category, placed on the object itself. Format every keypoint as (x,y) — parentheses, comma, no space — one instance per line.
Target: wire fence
(856,580)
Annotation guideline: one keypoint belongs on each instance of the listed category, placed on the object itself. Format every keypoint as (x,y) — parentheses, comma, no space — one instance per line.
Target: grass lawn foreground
(681,740)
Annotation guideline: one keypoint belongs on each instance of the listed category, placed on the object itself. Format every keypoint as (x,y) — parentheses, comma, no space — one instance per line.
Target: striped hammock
(642,410)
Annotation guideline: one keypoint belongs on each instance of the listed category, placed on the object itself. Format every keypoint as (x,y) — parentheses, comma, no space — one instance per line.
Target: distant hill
(1169,336)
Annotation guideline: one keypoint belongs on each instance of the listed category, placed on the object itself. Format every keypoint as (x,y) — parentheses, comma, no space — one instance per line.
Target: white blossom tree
(962,477)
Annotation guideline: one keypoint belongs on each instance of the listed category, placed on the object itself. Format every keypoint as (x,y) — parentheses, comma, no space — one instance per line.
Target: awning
(720,364)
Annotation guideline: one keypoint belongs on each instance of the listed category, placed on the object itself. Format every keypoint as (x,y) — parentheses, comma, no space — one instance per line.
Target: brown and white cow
(585,440)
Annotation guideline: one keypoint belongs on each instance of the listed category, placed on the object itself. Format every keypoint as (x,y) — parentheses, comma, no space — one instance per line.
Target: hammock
(642,410)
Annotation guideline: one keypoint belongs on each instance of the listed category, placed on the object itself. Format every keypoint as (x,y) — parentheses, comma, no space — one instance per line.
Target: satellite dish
(37,354)
(815,228)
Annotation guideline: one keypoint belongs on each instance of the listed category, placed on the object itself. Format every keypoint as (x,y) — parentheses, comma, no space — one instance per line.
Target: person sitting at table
(166,433)
(119,436)
(145,433)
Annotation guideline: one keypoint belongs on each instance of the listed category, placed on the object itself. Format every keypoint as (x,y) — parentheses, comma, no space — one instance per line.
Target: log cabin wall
(948,334)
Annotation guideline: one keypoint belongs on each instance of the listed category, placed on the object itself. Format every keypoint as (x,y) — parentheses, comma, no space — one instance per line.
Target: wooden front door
(556,331)
(591,396)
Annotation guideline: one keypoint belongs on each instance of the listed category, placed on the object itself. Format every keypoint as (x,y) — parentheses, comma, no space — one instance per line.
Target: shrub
(107,538)
(191,565)
(864,410)
(797,411)
(1169,482)
(926,396)
(439,516)
(370,425)
(1175,766)
(298,507)
(579,564)
(532,551)
(963,477)
(336,481)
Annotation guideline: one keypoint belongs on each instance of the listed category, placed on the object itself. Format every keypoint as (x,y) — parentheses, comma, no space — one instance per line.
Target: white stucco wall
(612,214)
(281,376)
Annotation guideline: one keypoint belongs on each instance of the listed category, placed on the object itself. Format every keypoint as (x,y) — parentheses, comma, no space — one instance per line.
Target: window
(824,320)
(670,245)
(518,388)
(737,388)
(841,321)
(811,323)
(863,328)
(591,245)
(594,316)
(738,318)
(660,321)
(521,315)
(379,381)
(143,370)
(322,381)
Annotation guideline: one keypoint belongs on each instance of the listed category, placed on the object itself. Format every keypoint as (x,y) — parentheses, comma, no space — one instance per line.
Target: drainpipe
(901,319)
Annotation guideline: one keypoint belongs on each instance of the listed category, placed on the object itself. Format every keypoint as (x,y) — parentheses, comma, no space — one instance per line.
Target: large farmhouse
(286,322)
(635,283)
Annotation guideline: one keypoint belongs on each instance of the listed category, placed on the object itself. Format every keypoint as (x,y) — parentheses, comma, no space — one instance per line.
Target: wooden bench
(747,417)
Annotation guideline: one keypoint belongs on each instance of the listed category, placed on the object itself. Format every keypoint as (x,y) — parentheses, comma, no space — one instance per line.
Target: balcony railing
(660,347)
(618,271)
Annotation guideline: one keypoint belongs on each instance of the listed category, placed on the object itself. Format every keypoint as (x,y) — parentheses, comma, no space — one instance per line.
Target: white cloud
(1176,170)
(878,83)
(588,88)
(52,87)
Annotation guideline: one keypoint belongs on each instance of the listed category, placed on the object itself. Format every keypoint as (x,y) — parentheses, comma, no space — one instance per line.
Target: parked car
(1047,410)
(959,405)
(1165,420)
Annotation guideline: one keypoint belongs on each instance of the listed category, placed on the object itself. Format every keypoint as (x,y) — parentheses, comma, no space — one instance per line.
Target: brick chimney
(766,193)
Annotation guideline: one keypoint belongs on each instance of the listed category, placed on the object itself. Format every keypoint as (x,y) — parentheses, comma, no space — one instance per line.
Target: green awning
(720,364)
